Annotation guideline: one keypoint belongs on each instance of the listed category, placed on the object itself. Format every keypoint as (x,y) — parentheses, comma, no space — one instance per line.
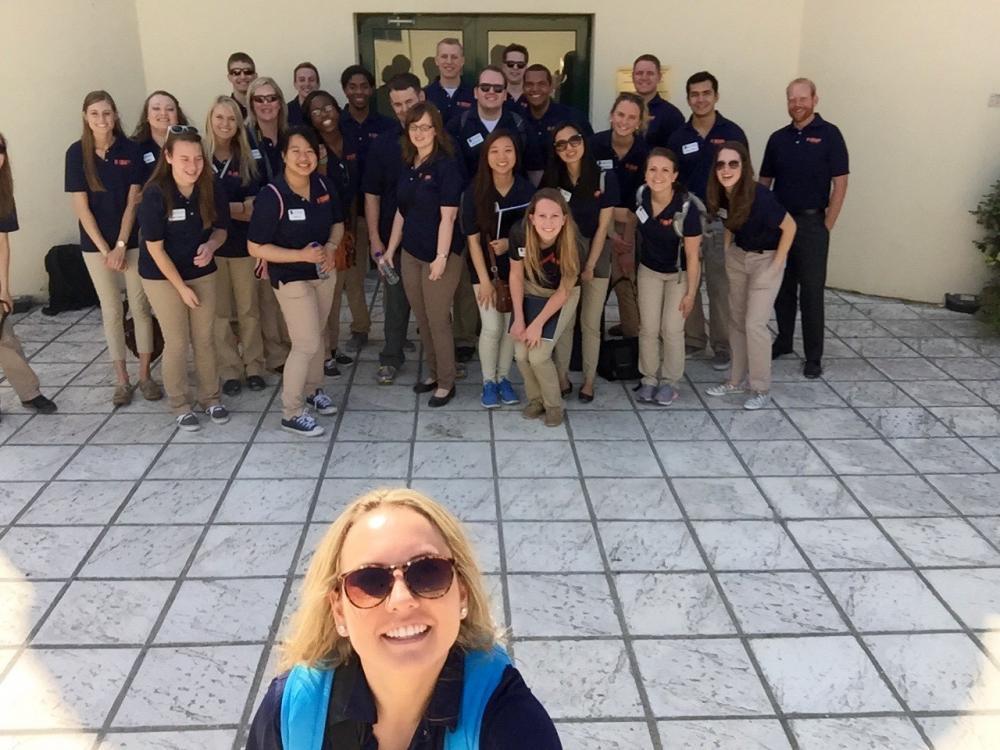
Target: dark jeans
(397,318)
(803,287)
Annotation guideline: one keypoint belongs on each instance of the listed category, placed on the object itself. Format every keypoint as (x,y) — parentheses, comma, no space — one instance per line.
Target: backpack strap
(304,704)
(483,672)
(281,201)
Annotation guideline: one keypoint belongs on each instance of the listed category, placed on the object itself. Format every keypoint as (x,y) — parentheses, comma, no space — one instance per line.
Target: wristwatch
(120,244)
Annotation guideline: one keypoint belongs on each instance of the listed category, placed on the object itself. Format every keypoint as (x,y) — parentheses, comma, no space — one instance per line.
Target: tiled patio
(821,574)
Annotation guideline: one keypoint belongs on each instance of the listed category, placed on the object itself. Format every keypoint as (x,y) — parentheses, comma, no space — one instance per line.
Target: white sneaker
(724,389)
(757,401)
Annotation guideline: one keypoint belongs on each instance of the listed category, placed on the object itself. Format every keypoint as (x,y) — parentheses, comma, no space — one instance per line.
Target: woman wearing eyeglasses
(592,196)
(296,226)
(103,179)
(237,294)
(759,234)
(182,222)
(394,645)
(428,194)
(160,110)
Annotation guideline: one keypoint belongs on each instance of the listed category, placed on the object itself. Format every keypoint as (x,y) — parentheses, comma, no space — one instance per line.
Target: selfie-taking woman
(237,295)
(394,645)
(103,179)
(182,223)
(160,110)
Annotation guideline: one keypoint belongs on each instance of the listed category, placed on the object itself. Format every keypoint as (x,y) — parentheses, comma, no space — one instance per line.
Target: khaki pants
(752,289)
(431,305)
(661,326)
(541,378)
(465,320)
(717,284)
(496,348)
(305,304)
(352,283)
(593,294)
(15,367)
(273,330)
(107,283)
(628,307)
(185,327)
(238,295)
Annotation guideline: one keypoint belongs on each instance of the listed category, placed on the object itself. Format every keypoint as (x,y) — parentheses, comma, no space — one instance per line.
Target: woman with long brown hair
(159,112)
(759,234)
(103,179)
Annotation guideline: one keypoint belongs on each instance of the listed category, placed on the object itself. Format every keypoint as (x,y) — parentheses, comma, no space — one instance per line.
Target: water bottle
(388,272)
(320,273)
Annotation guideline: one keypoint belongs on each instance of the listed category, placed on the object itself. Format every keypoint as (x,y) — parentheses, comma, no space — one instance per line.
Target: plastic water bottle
(320,273)
(388,272)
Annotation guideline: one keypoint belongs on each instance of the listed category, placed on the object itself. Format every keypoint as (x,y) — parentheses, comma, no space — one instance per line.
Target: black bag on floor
(619,359)
(70,287)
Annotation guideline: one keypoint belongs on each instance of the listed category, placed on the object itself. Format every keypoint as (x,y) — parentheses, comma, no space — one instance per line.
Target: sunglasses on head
(265,98)
(573,140)
(428,577)
(241,71)
(496,88)
(179,129)
(515,64)
(733,164)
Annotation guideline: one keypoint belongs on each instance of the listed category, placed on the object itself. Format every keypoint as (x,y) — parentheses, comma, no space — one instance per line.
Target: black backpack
(619,357)
(70,287)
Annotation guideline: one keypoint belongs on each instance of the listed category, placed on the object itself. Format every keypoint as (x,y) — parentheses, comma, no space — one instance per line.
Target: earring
(463,612)
(342,631)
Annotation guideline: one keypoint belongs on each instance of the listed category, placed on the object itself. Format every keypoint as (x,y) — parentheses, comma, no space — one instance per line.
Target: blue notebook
(532,307)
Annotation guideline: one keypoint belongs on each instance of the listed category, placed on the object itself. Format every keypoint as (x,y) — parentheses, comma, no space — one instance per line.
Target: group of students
(243,238)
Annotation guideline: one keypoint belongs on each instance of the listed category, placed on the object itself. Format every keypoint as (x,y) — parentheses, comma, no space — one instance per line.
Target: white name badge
(566,194)
(178,214)
(296,214)
(148,157)
(606,164)
(689,148)
(723,213)
(474,140)
(255,153)
(641,215)
(519,252)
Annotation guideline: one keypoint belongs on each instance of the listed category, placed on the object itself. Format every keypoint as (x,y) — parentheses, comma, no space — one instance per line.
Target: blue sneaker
(322,403)
(507,393)
(304,425)
(491,396)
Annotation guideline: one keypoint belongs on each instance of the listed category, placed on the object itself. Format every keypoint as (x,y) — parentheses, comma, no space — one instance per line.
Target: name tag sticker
(520,253)
(148,157)
(641,215)
(296,214)
(689,148)
(178,214)
(255,153)
(474,140)
(723,213)
(606,164)
(566,194)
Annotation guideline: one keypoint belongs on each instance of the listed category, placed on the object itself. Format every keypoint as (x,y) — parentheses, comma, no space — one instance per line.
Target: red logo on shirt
(122,162)
(428,177)
(233,173)
(666,222)
(632,167)
(464,104)
(351,157)
(716,141)
(811,139)
(325,198)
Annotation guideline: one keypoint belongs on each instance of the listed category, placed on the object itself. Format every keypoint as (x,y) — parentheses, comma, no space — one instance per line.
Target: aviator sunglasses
(515,64)
(496,88)
(181,129)
(265,98)
(573,140)
(733,164)
(241,72)
(428,577)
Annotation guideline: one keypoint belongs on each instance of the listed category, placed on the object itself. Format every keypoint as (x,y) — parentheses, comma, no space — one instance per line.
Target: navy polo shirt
(542,129)
(9,223)
(470,133)
(149,154)
(118,171)
(697,154)
(293,223)
(586,206)
(181,231)
(421,192)
(342,175)
(358,136)
(519,194)
(295,114)
(661,247)
(664,120)
(228,182)
(463,99)
(267,155)
(381,176)
(628,170)
(762,229)
(803,162)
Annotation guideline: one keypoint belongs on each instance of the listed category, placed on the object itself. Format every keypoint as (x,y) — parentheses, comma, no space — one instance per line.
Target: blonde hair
(566,243)
(252,117)
(239,143)
(313,638)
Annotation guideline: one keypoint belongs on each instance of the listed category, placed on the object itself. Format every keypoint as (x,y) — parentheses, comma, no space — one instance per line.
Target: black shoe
(616,330)
(278,370)
(41,404)
(425,387)
(567,390)
(812,370)
(778,352)
(340,358)
(232,387)
(330,368)
(256,383)
(464,353)
(409,346)
(585,397)
(435,401)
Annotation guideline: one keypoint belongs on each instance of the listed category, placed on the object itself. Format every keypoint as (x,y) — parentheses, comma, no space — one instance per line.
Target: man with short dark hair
(696,143)
(447,92)
(542,115)
(664,117)
(241,72)
(806,161)
(515,60)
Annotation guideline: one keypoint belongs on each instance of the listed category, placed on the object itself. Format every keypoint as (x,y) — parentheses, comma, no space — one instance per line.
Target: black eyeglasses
(514,64)
(265,98)
(573,140)
(326,110)
(179,129)
(428,577)
(734,164)
(241,72)
(496,88)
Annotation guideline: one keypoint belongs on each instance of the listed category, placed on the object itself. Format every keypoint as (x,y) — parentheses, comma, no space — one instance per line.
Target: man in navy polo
(664,117)
(806,162)
(447,92)
(515,60)
(696,143)
(543,115)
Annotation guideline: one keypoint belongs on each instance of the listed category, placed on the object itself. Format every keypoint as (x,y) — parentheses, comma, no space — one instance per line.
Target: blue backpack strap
(304,704)
(483,672)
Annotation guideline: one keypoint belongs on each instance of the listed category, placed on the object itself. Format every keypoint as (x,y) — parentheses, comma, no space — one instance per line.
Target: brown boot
(533,410)
(553,416)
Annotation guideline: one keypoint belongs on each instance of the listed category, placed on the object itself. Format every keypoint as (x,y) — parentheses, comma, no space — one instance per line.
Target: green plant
(987,215)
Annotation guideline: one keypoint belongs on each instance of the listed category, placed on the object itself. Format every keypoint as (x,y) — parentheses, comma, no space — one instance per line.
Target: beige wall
(753,48)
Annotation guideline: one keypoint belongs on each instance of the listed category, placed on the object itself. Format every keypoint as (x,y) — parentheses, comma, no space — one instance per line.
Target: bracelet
(441,255)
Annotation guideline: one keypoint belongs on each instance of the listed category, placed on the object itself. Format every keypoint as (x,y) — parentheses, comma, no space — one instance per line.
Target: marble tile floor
(822,574)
